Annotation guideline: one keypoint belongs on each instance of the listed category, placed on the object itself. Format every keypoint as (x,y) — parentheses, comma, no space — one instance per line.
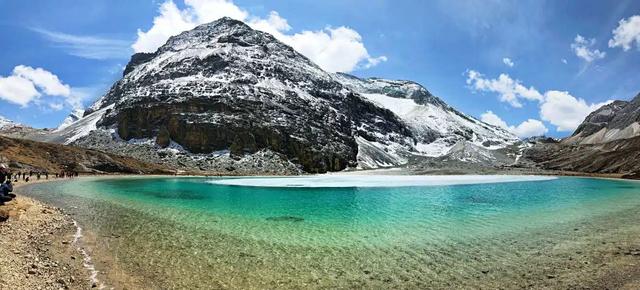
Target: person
(5,191)
(4,173)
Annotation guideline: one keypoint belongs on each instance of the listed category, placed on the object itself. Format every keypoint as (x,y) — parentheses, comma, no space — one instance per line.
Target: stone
(285,219)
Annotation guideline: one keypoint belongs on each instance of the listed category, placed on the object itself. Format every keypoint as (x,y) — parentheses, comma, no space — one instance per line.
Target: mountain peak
(6,123)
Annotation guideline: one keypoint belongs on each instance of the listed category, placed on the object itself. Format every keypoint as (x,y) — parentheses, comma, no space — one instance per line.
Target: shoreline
(40,248)
(36,247)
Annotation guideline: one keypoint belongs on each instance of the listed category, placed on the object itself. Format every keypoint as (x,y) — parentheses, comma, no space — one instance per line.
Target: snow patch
(319,181)
(78,129)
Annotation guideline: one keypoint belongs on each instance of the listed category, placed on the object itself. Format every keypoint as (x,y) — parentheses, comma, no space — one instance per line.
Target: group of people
(7,178)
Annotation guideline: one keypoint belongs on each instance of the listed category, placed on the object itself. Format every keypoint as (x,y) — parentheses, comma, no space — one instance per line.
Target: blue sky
(457,49)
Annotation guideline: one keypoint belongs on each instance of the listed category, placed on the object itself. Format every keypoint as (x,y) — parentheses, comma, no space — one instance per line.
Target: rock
(163,139)
(285,219)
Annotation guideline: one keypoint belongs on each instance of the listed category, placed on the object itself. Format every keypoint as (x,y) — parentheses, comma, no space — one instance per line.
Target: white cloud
(528,128)
(559,108)
(332,48)
(510,90)
(491,118)
(627,32)
(44,80)
(56,106)
(564,60)
(507,61)
(582,47)
(90,47)
(565,111)
(27,84)
(17,90)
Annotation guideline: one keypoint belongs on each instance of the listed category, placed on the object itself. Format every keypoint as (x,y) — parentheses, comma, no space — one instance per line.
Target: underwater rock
(285,219)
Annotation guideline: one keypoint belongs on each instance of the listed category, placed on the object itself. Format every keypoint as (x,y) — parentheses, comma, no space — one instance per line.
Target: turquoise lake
(192,233)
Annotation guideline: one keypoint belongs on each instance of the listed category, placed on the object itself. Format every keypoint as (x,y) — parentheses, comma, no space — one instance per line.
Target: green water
(188,233)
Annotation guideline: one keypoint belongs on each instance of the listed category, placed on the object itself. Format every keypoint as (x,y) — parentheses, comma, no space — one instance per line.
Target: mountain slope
(74,116)
(25,155)
(436,126)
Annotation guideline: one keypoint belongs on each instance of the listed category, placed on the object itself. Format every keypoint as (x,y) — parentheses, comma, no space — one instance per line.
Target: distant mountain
(436,126)
(73,117)
(608,141)
(223,94)
(615,121)
(6,123)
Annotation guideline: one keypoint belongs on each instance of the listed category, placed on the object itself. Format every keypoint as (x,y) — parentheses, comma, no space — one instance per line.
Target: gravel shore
(37,249)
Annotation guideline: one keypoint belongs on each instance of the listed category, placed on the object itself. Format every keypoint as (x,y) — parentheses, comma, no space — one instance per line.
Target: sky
(533,67)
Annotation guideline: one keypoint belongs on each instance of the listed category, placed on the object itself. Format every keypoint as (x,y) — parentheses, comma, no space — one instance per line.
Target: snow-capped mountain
(436,126)
(73,117)
(224,87)
(6,123)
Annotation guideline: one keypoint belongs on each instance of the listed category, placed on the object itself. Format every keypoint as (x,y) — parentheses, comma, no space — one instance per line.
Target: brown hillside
(21,154)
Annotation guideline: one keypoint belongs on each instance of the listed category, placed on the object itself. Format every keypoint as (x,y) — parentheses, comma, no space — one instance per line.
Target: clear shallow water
(188,232)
